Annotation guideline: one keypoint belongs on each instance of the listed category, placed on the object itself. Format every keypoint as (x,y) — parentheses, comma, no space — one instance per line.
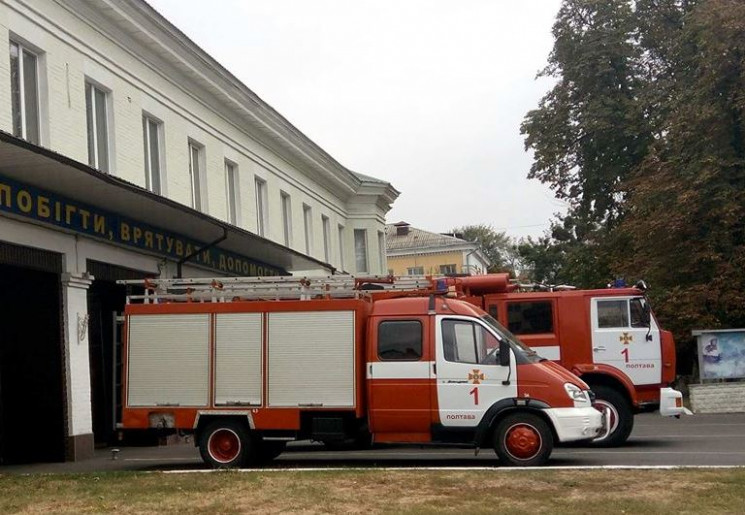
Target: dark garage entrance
(105,300)
(32,401)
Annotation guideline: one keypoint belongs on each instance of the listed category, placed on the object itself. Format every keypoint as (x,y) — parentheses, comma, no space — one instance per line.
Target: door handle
(450,381)
(598,348)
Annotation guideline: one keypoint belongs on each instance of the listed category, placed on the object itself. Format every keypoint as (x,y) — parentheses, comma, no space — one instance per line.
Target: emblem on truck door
(626,338)
(476,376)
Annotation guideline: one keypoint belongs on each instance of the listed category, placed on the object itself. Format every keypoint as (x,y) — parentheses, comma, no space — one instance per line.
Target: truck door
(622,338)
(469,380)
(399,373)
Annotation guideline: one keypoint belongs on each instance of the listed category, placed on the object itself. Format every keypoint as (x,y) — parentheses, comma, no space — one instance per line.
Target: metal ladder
(228,289)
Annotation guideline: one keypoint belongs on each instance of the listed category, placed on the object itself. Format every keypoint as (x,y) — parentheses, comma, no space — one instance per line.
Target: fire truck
(608,337)
(249,364)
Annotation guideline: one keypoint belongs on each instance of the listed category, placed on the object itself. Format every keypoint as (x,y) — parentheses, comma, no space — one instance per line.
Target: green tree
(684,228)
(495,245)
(589,132)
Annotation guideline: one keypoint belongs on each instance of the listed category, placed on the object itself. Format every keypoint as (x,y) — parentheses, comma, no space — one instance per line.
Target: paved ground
(706,440)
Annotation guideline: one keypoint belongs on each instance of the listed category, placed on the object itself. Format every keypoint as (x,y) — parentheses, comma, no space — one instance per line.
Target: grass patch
(365,491)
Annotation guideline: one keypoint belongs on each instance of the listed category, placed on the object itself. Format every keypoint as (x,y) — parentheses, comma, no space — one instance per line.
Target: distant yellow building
(413,251)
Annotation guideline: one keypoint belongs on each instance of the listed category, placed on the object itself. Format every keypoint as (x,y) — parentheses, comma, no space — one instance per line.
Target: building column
(78,410)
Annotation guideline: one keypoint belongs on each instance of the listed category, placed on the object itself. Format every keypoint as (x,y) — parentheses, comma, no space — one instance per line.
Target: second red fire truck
(608,337)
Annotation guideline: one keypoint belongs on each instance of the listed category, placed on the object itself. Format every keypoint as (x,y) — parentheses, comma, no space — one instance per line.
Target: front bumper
(671,403)
(574,424)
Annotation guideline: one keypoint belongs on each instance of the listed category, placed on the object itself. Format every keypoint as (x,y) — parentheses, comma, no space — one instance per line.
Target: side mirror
(504,353)
(647,314)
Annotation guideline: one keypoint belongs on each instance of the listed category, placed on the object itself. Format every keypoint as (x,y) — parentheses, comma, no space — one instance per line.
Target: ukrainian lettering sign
(49,208)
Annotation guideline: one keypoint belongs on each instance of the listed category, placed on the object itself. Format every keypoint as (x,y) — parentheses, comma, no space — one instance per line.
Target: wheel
(226,444)
(268,450)
(620,420)
(523,440)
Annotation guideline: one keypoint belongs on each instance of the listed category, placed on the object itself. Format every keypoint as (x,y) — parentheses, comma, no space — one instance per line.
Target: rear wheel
(225,444)
(523,440)
(620,416)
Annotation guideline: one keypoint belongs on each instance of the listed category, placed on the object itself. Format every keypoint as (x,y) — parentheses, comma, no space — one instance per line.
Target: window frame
(528,305)
(341,246)
(361,251)
(405,356)
(326,228)
(232,192)
(20,111)
(99,136)
(148,140)
(625,315)
(262,214)
(196,155)
(479,355)
(308,228)
(415,270)
(286,204)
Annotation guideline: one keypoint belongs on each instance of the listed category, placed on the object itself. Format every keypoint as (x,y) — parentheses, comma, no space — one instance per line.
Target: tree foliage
(495,245)
(644,137)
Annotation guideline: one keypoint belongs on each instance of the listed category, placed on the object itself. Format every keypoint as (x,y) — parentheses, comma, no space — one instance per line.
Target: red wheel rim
(224,445)
(522,441)
(600,405)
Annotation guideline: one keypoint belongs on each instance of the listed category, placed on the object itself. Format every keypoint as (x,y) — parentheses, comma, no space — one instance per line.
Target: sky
(425,94)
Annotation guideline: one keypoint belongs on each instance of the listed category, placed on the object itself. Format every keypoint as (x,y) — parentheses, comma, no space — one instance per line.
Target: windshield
(518,347)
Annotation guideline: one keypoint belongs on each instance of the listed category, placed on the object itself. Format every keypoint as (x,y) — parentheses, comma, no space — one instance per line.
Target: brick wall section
(718,398)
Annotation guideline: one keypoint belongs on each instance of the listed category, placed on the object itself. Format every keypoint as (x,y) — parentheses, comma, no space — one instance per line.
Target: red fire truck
(608,337)
(249,364)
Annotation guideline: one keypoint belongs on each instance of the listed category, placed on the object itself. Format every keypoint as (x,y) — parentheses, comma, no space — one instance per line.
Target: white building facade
(126,150)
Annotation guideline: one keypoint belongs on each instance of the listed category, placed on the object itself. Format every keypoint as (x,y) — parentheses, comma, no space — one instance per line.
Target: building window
(381,251)
(400,340)
(231,191)
(326,238)
(415,270)
(447,269)
(195,171)
(98,132)
(24,90)
(308,225)
(151,130)
(341,247)
(262,221)
(360,250)
(286,217)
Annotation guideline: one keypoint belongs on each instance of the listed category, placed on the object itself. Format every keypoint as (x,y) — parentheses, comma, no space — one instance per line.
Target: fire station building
(126,151)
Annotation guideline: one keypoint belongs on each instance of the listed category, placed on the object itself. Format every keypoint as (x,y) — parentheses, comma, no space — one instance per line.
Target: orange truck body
(248,375)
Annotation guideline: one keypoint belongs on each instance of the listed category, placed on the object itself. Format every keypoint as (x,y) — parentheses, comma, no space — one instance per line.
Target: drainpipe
(197,251)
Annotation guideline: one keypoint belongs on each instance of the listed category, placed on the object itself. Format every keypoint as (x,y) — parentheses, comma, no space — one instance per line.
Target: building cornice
(223,92)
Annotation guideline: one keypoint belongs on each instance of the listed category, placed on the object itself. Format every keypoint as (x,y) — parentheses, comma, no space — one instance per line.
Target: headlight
(579,396)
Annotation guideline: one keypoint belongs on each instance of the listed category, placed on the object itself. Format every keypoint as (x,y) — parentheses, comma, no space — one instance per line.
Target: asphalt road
(698,440)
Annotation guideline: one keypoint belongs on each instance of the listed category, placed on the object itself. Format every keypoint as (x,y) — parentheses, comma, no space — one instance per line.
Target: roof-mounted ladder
(227,289)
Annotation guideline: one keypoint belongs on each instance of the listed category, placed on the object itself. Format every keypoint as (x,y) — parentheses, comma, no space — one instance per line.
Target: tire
(621,418)
(226,444)
(523,440)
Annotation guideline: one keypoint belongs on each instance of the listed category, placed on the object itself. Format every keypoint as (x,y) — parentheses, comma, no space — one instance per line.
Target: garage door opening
(32,403)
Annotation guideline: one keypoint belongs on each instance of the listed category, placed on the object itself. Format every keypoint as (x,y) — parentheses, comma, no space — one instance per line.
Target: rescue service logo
(476,376)
(626,338)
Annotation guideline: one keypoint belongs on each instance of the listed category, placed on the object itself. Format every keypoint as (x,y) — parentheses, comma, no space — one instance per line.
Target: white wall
(77,43)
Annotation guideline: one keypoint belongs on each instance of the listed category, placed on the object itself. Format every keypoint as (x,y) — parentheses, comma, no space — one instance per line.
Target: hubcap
(600,405)
(224,445)
(522,441)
